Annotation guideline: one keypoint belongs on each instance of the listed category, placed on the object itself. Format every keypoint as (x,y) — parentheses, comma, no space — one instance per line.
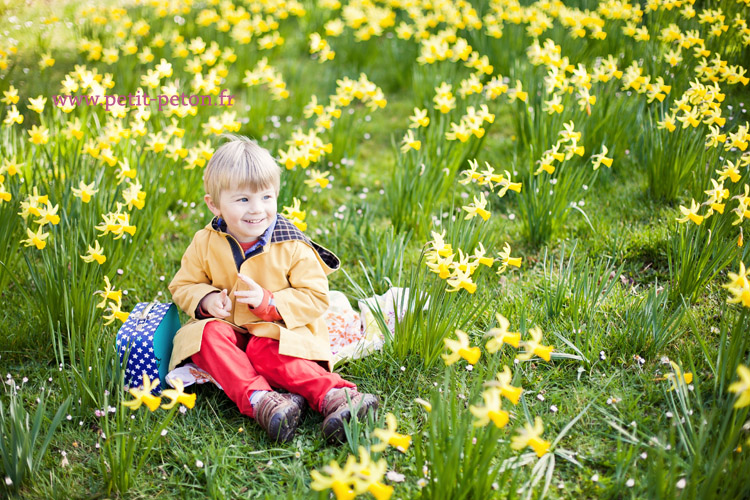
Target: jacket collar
(282,230)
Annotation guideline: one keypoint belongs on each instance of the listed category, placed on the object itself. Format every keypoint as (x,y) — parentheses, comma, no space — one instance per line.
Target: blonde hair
(240,162)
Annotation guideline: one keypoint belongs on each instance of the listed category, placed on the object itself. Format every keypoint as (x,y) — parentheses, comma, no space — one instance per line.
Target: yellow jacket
(290,265)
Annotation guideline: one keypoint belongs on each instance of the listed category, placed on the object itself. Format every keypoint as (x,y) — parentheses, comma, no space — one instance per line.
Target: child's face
(247,213)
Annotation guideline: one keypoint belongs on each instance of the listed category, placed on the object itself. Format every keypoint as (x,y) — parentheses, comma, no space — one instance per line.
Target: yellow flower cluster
(144,395)
(38,206)
(717,195)
(264,74)
(355,478)
(304,150)
(12,168)
(320,46)
(112,301)
(501,387)
(295,215)
(489,178)
(569,142)
(457,274)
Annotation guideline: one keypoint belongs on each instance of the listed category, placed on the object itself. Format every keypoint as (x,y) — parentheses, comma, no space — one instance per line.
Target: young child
(257,289)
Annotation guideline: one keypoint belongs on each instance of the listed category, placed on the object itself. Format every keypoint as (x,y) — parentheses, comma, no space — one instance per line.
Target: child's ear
(212,206)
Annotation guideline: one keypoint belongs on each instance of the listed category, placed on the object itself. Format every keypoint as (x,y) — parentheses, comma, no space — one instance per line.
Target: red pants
(242,365)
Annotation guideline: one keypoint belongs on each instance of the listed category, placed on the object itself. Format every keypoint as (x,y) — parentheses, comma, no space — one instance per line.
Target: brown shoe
(297,400)
(337,410)
(278,415)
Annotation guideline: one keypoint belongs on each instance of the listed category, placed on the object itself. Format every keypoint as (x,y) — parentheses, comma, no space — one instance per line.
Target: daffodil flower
(355,478)
(143,395)
(108,294)
(319,178)
(739,287)
(477,208)
(507,184)
(502,383)
(424,404)
(419,118)
(501,335)
(462,279)
(742,387)
(461,349)
(37,104)
(532,437)
(178,395)
(84,191)
(438,244)
(295,215)
(48,214)
(389,436)
(507,260)
(601,159)
(440,265)
(115,312)
(95,253)
(479,256)
(36,239)
(491,411)
(38,135)
(409,142)
(534,346)
(691,213)
(678,376)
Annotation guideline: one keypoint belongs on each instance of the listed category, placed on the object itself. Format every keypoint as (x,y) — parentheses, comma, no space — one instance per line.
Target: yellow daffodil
(739,287)
(389,436)
(115,313)
(295,215)
(318,178)
(503,385)
(506,260)
(10,96)
(534,346)
(143,395)
(95,253)
(461,280)
(36,239)
(691,213)
(38,134)
(84,191)
(13,116)
(532,437)
(108,294)
(687,377)
(48,215)
(742,387)
(37,104)
(409,142)
(419,118)
(601,159)
(491,411)
(461,349)
(477,208)
(178,395)
(501,335)
(507,184)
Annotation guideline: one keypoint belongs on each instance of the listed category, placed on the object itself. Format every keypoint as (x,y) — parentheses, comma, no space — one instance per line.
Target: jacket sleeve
(192,282)
(306,299)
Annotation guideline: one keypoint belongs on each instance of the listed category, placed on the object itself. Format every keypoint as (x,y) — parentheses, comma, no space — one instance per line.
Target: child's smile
(247,213)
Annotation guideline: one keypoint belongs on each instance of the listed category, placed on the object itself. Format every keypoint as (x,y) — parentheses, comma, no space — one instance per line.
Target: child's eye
(267,197)
(243,200)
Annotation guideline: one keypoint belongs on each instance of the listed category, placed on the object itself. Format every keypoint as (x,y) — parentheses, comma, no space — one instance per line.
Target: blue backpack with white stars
(145,342)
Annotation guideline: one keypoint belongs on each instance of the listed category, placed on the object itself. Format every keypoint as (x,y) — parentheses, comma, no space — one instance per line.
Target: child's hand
(217,305)
(252,297)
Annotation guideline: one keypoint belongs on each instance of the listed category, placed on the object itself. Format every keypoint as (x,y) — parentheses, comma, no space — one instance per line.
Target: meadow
(562,187)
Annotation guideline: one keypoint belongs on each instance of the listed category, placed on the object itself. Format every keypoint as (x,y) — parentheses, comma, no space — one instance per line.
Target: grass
(213,451)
